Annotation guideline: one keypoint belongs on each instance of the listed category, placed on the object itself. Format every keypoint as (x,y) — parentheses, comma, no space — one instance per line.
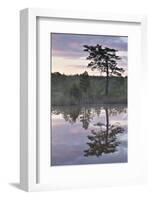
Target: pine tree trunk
(107,80)
(107,124)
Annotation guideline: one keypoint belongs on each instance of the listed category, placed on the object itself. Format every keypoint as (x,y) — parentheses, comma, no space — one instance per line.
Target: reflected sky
(89,135)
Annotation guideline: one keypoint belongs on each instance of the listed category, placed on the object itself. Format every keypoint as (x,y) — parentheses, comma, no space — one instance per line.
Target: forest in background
(84,89)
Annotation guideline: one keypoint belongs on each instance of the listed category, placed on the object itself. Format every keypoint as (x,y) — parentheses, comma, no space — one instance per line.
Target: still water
(88,135)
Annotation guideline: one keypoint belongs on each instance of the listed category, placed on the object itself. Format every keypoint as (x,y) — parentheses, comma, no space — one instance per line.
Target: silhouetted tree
(57,74)
(105,60)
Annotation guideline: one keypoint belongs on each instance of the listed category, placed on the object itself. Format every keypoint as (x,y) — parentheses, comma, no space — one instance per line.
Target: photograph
(89,101)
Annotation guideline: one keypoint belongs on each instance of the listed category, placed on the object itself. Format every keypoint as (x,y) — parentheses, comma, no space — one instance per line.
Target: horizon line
(63,74)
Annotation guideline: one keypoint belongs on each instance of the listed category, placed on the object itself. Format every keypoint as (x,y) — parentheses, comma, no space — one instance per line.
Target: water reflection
(72,114)
(87,135)
(104,140)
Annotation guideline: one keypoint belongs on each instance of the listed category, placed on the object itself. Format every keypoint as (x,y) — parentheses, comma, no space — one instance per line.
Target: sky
(68,57)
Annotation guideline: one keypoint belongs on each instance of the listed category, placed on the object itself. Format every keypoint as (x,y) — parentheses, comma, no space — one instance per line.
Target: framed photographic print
(82,80)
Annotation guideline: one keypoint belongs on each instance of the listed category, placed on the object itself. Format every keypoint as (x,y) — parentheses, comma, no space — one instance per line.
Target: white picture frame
(29,148)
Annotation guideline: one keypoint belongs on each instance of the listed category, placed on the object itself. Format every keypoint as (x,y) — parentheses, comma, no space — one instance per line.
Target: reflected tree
(97,111)
(104,140)
(113,111)
(85,115)
(85,118)
(72,114)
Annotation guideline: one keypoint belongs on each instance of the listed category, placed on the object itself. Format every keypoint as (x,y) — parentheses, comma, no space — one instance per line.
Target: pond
(89,135)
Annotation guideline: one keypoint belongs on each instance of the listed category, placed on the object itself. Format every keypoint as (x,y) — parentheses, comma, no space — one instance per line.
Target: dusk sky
(68,56)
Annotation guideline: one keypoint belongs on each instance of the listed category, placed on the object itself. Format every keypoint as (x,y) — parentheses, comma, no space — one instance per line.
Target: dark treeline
(85,89)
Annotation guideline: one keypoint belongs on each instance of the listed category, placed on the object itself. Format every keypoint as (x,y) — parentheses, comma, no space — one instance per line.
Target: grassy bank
(72,90)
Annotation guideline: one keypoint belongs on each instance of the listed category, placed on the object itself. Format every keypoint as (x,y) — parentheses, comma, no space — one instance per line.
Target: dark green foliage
(75,91)
(67,90)
(84,82)
(104,60)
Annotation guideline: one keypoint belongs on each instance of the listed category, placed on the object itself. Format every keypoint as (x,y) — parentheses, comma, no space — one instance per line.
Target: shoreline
(101,101)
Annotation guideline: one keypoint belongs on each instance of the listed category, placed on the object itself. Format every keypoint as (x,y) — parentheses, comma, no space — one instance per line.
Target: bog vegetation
(85,89)
(111,87)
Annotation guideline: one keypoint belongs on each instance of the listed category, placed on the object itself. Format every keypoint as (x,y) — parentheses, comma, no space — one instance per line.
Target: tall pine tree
(104,60)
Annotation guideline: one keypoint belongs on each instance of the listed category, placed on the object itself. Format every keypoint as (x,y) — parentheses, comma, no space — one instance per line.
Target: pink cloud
(74,44)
